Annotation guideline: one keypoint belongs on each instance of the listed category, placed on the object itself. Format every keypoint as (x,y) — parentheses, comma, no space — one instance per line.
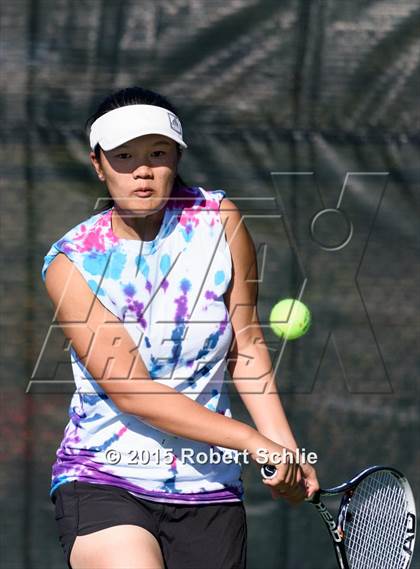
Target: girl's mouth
(143,193)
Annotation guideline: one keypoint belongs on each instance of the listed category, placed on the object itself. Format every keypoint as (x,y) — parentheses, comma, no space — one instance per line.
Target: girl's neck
(144,228)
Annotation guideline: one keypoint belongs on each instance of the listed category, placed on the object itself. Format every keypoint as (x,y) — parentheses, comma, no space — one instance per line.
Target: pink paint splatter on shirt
(96,237)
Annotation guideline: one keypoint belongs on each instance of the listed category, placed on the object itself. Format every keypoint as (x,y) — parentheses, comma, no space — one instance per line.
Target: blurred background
(294,108)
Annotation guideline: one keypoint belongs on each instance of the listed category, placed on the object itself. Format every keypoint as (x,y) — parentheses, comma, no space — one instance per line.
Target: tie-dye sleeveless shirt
(169,295)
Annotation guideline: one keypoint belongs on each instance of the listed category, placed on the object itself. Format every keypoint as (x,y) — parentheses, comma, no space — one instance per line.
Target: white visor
(125,123)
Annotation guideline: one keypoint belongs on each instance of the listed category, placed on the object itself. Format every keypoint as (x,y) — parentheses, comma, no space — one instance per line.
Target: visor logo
(175,124)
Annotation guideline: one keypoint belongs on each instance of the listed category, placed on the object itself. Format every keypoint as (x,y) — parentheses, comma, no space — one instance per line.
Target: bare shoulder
(237,234)
(233,222)
(241,296)
(70,293)
(229,212)
(62,276)
(58,274)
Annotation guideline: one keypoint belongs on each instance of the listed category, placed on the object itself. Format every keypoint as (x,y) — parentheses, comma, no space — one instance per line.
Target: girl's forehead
(148,140)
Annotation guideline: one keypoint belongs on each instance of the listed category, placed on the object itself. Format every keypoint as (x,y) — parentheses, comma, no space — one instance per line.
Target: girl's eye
(123,155)
(158,153)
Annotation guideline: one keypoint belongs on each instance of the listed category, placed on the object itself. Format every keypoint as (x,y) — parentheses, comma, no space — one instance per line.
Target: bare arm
(249,361)
(108,352)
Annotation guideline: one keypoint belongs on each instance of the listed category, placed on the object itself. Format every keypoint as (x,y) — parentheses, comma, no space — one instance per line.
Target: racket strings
(375,523)
(376,527)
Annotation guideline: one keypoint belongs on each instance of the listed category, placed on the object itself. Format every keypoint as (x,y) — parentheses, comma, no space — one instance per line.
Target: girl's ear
(97,165)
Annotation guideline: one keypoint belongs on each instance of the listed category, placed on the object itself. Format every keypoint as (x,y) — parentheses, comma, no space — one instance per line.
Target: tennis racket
(376,522)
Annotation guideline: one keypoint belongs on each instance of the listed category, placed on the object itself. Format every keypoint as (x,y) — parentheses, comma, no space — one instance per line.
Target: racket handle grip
(268,471)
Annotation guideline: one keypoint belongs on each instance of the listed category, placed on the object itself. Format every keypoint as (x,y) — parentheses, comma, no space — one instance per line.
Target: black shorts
(211,536)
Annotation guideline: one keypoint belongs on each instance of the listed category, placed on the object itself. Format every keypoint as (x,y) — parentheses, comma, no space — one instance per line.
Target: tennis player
(157,294)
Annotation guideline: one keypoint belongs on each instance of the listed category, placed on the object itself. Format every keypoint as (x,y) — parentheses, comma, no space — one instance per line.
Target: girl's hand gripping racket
(376,521)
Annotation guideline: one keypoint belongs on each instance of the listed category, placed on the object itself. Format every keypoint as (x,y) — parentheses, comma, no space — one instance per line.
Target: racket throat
(335,532)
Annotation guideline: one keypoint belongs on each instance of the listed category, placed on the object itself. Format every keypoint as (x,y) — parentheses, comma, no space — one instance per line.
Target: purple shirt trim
(229,494)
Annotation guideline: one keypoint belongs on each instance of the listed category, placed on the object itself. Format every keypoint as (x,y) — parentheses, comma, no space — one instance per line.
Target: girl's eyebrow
(158,142)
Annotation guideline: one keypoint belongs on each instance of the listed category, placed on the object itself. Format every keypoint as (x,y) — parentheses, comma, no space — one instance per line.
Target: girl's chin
(139,205)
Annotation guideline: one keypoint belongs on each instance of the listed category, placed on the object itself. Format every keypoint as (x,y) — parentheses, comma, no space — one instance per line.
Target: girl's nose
(142,170)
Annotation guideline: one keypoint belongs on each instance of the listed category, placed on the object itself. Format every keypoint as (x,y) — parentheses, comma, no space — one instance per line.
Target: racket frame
(336,529)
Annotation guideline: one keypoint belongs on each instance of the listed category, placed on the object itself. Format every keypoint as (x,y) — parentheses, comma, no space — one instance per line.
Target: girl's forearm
(157,404)
(254,380)
(177,414)
(269,417)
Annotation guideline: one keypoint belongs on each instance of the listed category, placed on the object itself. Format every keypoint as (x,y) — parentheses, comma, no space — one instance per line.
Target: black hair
(131,96)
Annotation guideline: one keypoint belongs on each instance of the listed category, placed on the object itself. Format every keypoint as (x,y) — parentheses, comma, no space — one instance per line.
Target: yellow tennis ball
(290,319)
